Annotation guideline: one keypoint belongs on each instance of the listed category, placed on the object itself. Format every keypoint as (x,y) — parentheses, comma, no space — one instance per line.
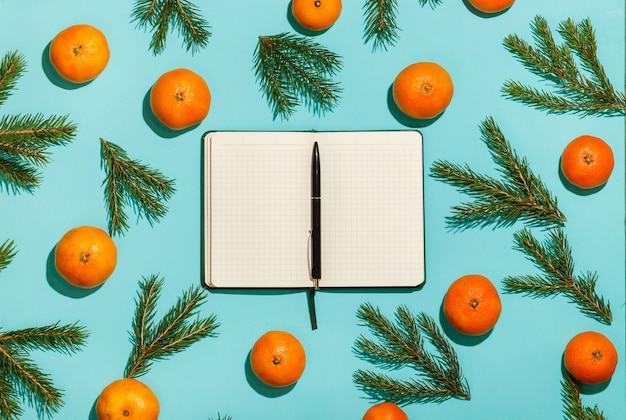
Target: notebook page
(260,209)
(372,209)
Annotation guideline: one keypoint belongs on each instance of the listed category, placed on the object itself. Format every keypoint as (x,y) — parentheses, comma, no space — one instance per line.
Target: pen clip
(313,288)
(316,282)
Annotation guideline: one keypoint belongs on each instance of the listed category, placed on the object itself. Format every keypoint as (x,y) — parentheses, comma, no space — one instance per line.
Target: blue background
(514,372)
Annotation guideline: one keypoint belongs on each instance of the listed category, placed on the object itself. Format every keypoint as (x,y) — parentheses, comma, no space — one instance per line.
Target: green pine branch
(162,16)
(573,406)
(219,417)
(180,327)
(554,259)
(381,23)
(12,66)
(401,345)
(293,70)
(21,379)
(519,195)
(130,182)
(7,253)
(580,83)
(25,139)
(431,3)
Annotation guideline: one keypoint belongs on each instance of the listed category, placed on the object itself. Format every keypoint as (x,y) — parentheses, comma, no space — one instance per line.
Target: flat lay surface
(513,372)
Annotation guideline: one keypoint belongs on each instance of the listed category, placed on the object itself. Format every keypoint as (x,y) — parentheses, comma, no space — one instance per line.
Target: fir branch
(7,253)
(10,408)
(564,66)
(381,25)
(55,337)
(28,136)
(573,406)
(28,380)
(24,139)
(12,66)
(219,417)
(293,70)
(175,332)
(402,344)
(24,143)
(160,16)
(554,259)
(131,182)
(20,376)
(431,3)
(520,195)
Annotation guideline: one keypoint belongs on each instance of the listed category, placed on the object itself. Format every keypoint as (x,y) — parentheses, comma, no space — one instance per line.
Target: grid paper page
(372,209)
(260,200)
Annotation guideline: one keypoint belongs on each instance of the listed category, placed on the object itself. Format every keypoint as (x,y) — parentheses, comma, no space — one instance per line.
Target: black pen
(316,227)
(316,218)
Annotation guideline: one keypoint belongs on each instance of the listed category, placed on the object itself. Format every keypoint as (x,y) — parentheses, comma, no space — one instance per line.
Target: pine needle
(293,70)
(381,23)
(176,331)
(554,259)
(573,406)
(401,344)
(21,377)
(130,182)
(520,195)
(580,83)
(161,16)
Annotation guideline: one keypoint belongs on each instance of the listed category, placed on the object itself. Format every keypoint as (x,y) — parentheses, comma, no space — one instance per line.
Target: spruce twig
(402,344)
(25,139)
(12,66)
(573,68)
(160,16)
(219,417)
(21,378)
(554,259)
(573,406)
(129,181)
(293,70)
(176,331)
(381,26)
(7,253)
(520,195)
(431,3)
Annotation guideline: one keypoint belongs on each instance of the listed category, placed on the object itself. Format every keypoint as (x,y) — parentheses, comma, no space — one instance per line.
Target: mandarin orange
(85,256)
(491,6)
(423,90)
(127,399)
(590,357)
(180,99)
(278,359)
(587,162)
(385,411)
(79,53)
(316,15)
(472,304)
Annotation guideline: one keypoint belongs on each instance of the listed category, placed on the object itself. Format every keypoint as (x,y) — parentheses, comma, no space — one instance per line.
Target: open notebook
(257,209)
